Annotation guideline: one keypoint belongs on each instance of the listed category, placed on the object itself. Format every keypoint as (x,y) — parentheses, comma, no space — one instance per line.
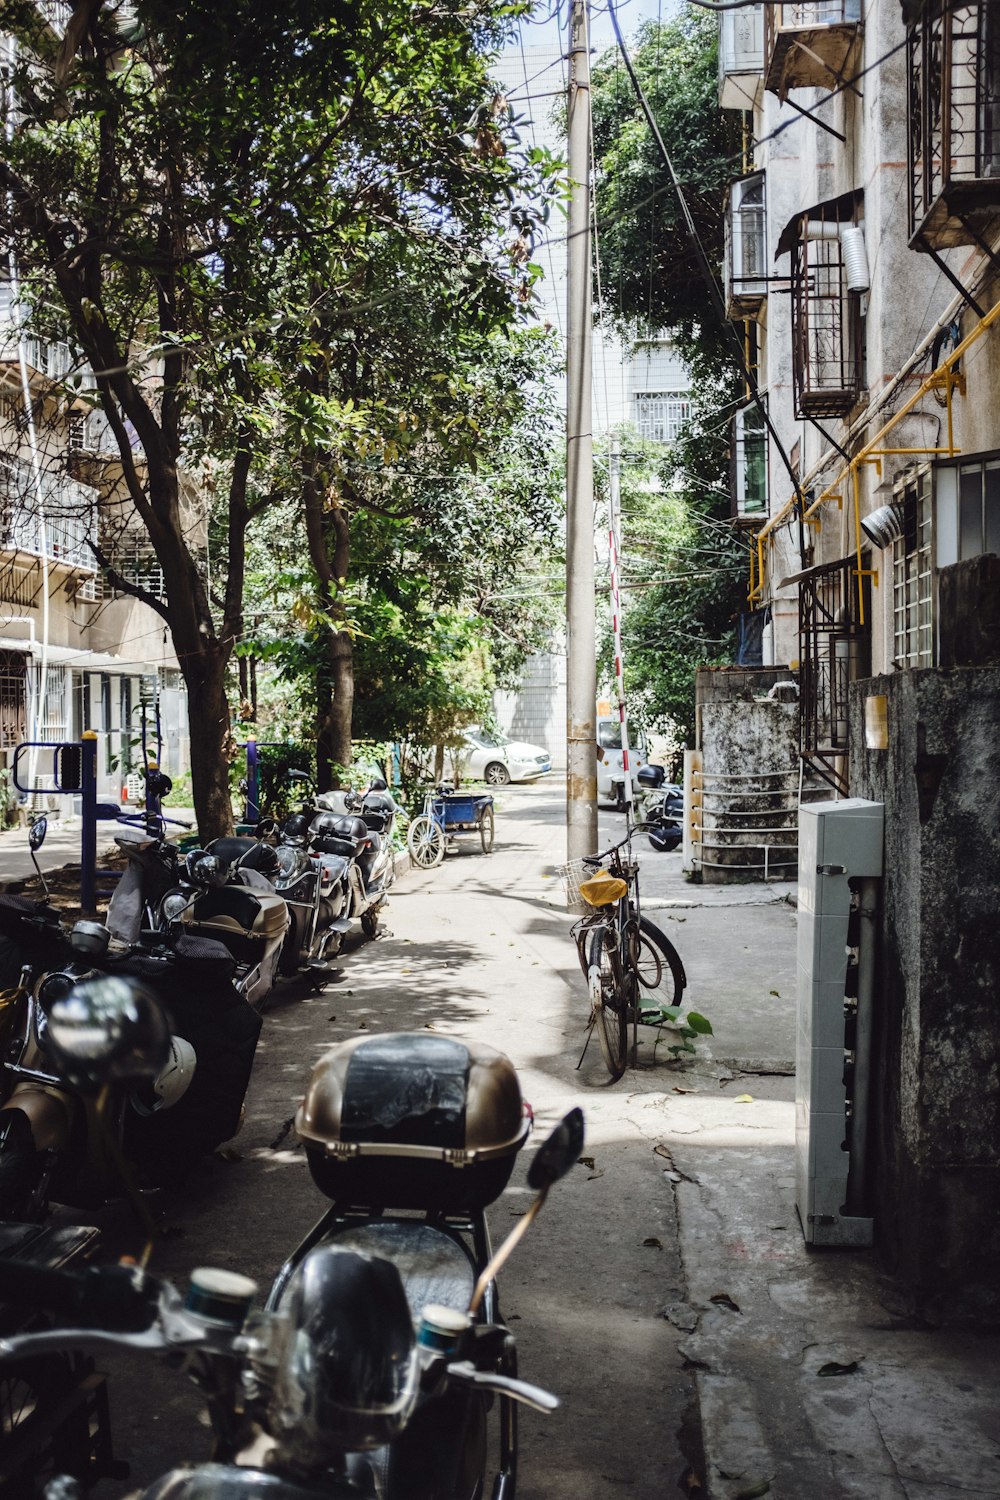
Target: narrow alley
(480,949)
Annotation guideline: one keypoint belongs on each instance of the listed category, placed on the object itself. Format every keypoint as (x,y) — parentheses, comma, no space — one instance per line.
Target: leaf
(743,1099)
(652,1243)
(723,1299)
(699,1023)
(586,1161)
(833,1368)
(775,994)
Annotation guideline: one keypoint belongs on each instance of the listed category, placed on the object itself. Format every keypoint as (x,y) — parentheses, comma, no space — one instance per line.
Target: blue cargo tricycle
(447,814)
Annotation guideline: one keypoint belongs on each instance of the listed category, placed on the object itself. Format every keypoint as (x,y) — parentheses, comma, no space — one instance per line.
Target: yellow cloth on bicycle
(602,889)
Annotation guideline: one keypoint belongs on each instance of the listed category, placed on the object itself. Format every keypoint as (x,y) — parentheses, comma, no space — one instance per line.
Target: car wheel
(496,774)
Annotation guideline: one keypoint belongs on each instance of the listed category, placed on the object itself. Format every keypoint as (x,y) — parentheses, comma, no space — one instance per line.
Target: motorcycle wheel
(19,1165)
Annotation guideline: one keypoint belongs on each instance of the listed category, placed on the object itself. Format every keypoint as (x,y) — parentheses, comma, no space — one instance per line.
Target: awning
(816,571)
(87,661)
(834,211)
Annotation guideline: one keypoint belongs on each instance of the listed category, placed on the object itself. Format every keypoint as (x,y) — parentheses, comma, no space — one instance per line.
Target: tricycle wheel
(425,841)
(486,829)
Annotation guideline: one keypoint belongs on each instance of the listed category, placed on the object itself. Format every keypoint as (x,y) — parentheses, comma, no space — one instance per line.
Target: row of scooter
(379,1365)
(209,932)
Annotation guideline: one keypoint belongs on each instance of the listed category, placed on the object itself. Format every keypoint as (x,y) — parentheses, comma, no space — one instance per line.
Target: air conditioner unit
(840,862)
(749,465)
(741,56)
(746,246)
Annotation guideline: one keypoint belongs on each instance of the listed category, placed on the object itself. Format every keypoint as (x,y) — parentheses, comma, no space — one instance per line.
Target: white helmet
(172,1082)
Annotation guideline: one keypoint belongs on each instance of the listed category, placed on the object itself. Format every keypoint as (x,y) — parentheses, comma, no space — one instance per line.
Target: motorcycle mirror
(298,775)
(556,1155)
(378,785)
(105,1030)
(553,1160)
(37,832)
(266,827)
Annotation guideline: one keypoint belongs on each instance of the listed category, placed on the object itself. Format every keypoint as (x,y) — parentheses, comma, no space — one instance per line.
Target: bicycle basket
(573,875)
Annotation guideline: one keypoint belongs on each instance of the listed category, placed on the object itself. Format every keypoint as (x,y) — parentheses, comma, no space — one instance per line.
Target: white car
(493,758)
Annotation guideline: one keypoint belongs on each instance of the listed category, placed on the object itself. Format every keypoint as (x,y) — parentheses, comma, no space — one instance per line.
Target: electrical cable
(708,276)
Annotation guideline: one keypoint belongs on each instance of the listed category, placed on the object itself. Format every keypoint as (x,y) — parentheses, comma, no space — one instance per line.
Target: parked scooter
(660,809)
(361,837)
(411,1137)
(51,1146)
(334,1394)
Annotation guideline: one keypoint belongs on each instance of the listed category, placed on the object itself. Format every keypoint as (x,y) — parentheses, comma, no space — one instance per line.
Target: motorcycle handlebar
(120,1299)
(465,1373)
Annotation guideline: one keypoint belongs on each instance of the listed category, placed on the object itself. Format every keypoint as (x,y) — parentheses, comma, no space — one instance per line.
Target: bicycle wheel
(486,829)
(425,841)
(659,969)
(609,1000)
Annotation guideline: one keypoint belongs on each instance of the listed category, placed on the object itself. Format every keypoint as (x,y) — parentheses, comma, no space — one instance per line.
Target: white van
(610,774)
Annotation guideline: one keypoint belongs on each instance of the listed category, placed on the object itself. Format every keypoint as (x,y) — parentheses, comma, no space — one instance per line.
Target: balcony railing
(67,511)
(954,124)
(741,56)
(834,650)
(826,323)
(809,44)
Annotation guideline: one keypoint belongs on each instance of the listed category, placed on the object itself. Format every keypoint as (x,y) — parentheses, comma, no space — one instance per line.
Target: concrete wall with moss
(936,1104)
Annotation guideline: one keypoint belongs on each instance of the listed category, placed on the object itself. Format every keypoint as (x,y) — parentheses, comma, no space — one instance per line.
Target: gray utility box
(840,853)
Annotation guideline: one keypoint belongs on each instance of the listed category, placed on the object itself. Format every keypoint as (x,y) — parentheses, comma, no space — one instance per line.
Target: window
(75,432)
(913,575)
(953,117)
(826,320)
(660,415)
(741,56)
(746,246)
(749,464)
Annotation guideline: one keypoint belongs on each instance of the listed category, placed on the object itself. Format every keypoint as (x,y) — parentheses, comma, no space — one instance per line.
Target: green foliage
(651,277)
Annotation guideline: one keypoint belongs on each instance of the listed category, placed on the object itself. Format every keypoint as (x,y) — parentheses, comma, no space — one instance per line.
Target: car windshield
(488,740)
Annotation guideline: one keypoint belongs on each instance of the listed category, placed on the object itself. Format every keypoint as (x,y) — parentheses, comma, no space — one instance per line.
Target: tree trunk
(208,714)
(329,535)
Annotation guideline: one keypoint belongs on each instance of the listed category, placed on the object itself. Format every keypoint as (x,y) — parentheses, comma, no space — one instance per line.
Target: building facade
(863,260)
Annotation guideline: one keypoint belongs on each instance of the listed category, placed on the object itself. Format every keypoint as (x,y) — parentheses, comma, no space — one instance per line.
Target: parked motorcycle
(360,838)
(224,892)
(411,1137)
(52,1147)
(660,809)
(355,1386)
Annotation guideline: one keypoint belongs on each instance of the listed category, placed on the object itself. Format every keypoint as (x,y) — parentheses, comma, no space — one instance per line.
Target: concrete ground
(666,1293)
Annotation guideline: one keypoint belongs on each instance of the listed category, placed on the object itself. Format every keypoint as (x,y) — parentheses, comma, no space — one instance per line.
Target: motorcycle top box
(412,1121)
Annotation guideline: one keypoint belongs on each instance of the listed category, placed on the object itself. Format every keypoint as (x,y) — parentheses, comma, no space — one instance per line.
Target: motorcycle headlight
(290,861)
(173,905)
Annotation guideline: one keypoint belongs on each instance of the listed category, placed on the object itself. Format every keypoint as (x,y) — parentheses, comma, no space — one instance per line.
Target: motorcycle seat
(237,908)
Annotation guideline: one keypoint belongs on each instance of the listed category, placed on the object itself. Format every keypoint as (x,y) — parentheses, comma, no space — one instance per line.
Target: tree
(191,197)
(683,565)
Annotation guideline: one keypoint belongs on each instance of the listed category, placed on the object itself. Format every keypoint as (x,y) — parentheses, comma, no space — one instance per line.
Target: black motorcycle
(349,1400)
(661,809)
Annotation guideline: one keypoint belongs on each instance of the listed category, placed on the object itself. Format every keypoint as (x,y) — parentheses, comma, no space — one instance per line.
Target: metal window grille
(953,107)
(660,415)
(13,727)
(913,575)
(746,245)
(826,324)
(834,649)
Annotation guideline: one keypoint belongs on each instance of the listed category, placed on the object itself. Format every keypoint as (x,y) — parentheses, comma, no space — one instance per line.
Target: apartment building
(75,653)
(863,262)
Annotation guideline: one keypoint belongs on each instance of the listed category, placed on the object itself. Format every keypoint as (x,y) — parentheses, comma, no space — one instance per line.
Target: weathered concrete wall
(936,1104)
(749,746)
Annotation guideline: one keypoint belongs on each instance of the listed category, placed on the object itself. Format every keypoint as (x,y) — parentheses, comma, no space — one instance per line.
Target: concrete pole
(615,555)
(581,664)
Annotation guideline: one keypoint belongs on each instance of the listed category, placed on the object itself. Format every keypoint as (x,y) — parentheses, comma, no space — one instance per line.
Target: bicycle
(634,973)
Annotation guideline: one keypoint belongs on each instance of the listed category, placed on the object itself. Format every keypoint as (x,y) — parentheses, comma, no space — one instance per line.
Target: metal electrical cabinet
(840,860)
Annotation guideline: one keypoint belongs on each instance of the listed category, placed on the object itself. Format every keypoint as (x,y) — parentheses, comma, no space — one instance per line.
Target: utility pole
(581,658)
(615,560)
